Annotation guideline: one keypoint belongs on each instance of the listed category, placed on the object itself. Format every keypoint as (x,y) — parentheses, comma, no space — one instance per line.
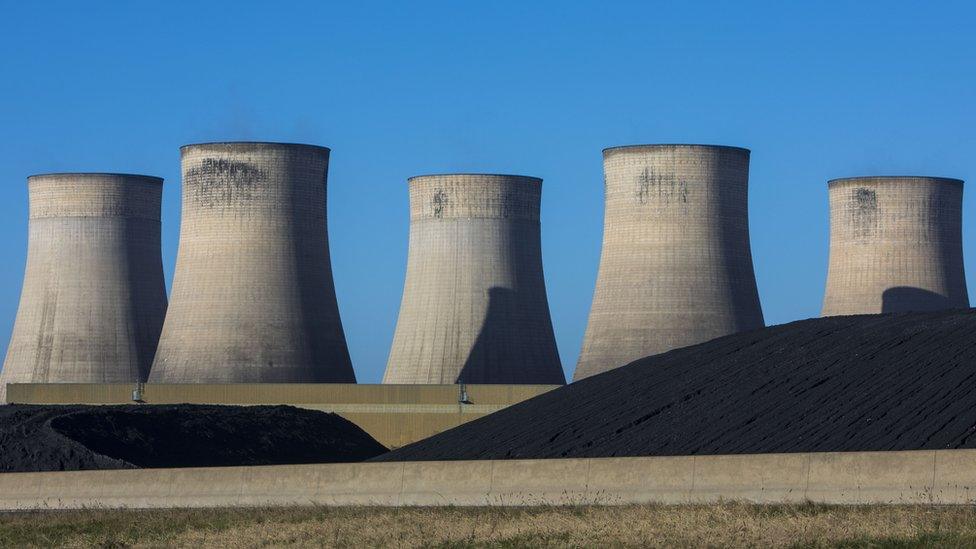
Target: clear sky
(817,90)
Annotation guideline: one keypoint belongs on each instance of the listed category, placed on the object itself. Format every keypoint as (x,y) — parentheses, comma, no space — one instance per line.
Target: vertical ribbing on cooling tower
(895,245)
(676,266)
(253,298)
(474,306)
(93,298)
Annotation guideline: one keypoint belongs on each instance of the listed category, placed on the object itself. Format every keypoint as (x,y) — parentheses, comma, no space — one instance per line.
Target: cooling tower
(93,299)
(474,306)
(253,299)
(895,245)
(676,267)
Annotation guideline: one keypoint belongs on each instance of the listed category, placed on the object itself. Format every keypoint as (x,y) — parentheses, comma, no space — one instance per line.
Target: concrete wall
(395,415)
(676,264)
(474,306)
(93,298)
(895,245)
(253,298)
(920,477)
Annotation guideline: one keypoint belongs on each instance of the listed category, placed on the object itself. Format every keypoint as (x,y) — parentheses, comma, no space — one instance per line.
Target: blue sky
(817,90)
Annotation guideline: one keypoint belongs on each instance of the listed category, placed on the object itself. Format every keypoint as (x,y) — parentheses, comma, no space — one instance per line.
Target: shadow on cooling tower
(137,273)
(901,299)
(310,279)
(493,357)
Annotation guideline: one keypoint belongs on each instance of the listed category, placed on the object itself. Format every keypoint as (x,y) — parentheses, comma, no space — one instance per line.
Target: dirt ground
(732,524)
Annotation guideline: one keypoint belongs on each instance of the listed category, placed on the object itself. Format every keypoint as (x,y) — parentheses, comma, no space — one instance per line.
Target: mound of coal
(858,383)
(67,438)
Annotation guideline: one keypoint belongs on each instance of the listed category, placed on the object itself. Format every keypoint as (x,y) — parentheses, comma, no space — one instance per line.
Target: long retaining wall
(918,477)
(395,415)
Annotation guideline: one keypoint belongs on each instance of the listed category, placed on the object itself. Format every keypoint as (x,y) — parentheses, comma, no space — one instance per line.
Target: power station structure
(895,245)
(676,265)
(474,306)
(93,299)
(253,299)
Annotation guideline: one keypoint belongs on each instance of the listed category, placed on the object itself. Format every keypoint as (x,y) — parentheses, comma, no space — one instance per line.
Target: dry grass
(645,525)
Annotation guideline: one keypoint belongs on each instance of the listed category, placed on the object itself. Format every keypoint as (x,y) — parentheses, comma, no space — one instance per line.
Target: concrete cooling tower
(895,245)
(676,266)
(93,299)
(474,306)
(253,299)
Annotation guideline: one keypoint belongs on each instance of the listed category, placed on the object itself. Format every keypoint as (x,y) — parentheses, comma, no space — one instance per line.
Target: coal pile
(858,383)
(75,437)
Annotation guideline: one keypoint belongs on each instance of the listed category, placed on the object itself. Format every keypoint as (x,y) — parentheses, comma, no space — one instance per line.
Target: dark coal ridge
(858,383)
(28,443)
(76,437)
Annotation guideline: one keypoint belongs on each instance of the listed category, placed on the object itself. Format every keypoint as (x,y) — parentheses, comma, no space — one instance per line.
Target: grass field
(646,525)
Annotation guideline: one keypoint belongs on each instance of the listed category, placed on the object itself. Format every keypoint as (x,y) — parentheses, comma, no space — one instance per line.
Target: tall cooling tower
(895,245)
(474,306)
(93,299)
(676,267)
(253,299)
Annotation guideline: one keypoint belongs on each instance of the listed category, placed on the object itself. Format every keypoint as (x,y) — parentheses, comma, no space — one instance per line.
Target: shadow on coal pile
(901,381)
(64,438)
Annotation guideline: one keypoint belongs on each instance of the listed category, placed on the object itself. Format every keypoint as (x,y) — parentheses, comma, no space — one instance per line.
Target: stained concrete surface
(917,477)
(676,264)
(474,307)
(895,246)
(253,299)
(93,299)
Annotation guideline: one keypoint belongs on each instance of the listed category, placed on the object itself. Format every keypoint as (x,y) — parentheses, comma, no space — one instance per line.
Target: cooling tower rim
(658,146)
(253,144)
(472,174)
(94,175)
(893,178)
